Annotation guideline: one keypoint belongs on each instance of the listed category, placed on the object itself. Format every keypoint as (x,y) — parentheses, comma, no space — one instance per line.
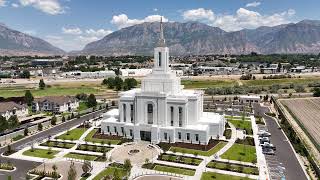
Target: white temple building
(161,110)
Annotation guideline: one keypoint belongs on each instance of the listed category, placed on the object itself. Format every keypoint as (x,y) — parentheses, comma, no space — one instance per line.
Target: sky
(71,24)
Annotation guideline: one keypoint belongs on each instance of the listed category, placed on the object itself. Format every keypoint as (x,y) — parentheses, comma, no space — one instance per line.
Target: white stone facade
(162,111)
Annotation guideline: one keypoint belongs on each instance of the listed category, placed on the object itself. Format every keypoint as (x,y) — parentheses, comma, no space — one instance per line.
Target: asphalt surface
(284,153)
(24,166)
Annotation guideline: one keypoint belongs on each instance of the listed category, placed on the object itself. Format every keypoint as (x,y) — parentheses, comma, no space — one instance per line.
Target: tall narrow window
(188,136)
(150,113)
(124,112)
(180,116)
(172,115)
(159,61)
(131,113)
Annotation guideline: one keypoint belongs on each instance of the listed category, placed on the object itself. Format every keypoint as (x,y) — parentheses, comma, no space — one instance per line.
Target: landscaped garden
(41,153)
(73,134)
(202,152)
(96,137)
(111,172)
(180,159)
(170,169)
(217,176)
(58,144)
(237,118)
(85,157)
(94,148)
(242,124)
(6,166)
(241,152)
(233,167)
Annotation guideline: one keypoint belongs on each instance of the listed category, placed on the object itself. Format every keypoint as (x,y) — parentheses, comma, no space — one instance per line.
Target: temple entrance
(145,135)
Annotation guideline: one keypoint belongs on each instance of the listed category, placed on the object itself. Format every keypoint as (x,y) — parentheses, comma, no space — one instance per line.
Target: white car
(264,134)
(268,145)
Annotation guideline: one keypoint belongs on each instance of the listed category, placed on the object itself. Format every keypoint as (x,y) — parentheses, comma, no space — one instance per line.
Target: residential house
(8,109)
(55,104)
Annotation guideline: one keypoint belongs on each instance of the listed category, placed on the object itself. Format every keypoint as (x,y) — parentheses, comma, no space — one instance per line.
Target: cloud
(155,9)
(98,33)
(15,5)
(51,7)
(198,14)
(242,18)
(253,4)
(122,20)
(3,3)
(72,31)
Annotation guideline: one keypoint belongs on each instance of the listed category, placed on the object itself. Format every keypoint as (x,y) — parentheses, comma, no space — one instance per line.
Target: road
(284,152)
(24,166)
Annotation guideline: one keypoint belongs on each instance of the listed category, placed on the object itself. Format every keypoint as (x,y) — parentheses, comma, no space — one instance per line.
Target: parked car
(268,151)
(264,139)
(267,145)
(264,134)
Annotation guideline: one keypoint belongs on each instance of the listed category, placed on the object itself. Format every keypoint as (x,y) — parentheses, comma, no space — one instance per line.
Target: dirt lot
(307,111)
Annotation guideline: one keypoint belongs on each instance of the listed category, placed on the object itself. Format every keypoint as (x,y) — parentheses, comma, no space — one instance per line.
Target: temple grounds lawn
(58,144)
(210,152)
(233,167)
(237,118)
(217,176)
(41,153)
(110,171)
(180,159)
(73,134)
(240,124)
(90,138)
(240,152)
(81,156)
(176,170)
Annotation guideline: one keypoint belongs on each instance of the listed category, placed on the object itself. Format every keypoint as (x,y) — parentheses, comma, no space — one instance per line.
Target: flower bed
(246,141)
(7,166)
(241,168)
(170,169)
(93,148)
(58,144)
(42,174)
(96,137)
(201,147)
(180,159)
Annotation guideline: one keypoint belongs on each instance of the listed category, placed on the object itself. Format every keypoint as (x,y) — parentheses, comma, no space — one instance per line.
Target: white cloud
(253,4)
(51,7)
(242,19)
(15,5)
(3,3)
(98,33)
(72,31)
(122,20)
(155,9)
(198,14)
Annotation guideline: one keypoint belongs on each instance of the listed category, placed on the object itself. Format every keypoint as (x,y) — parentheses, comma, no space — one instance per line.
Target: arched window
(180,116)
(124,112)
(171,115)
(150,113)
(159,61)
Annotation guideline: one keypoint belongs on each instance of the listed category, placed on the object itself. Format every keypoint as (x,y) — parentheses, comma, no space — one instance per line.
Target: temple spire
(162,42)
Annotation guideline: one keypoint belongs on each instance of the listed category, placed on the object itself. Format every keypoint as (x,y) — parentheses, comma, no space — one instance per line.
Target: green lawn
(217,176)
(194,84)
(81,156)
(241,152)
(185,160)
(42,153)
(110,171)
(17,138)
(90,138)
(176,170)
(58,144)
(52,91)
(233,167)
(237,118)
(201,153)
(93,148)
(73,134)
(82,106)
(245,125)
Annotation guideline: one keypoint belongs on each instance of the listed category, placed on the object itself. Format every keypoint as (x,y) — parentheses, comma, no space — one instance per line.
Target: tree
(72,173)
(28,97)
(40,127)
(118,82)
(82,96)
(3,123)
(316,92)
(129,83)
(42,85)
(25,74)
(63,119)
(116,175)
(92,102)
(54,120)
(26,131)
(55,174)
(86,167)
(109,82)
(13,122)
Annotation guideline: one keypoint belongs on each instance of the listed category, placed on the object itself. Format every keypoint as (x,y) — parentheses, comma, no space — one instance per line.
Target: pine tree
(72,173)
(28,97)
(3,123)
(42,85)
(92,102)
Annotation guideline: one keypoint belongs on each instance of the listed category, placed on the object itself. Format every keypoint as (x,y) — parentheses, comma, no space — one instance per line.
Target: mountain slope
(197,38)
(16,43)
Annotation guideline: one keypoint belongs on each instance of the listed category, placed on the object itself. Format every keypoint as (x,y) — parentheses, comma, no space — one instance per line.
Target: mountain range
(182,39)
(198,38)
(16,43)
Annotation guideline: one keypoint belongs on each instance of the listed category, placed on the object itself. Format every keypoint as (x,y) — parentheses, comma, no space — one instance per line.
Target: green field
(41,153)
(201,84)
(201,153)
(217,176)
(175,170)
(240,152)
(90,138)
(245,125)
(73,134)
(110,171)
(285,81)
(81,156)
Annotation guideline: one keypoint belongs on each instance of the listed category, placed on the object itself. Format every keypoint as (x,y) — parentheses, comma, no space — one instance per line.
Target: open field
(307,112)
(194,84)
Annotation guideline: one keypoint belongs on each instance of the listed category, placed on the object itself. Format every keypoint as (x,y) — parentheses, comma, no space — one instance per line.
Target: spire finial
(161,42)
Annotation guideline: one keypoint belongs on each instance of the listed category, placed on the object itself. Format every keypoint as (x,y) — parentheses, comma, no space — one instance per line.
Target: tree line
(118,84)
